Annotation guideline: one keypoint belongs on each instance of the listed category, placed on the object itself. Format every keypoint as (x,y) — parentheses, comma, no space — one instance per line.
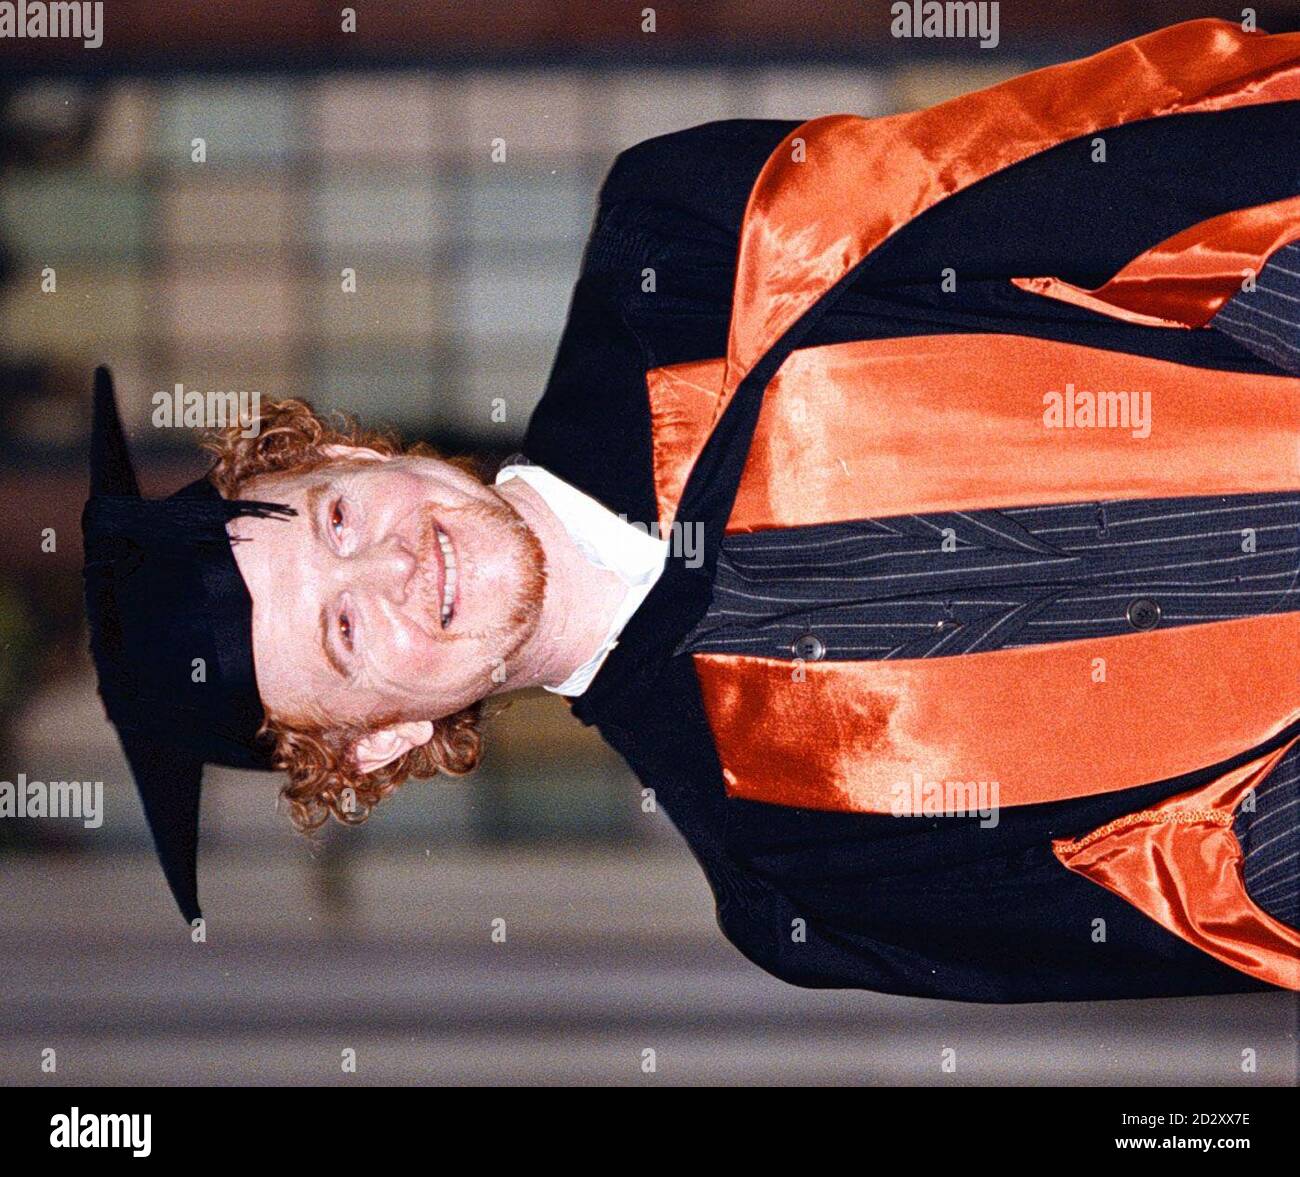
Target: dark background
(372,150)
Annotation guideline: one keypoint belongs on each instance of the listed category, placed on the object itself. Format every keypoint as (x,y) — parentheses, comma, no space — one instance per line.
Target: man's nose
(386,568)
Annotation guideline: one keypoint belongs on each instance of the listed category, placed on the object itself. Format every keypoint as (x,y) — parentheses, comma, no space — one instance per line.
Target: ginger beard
(526,587)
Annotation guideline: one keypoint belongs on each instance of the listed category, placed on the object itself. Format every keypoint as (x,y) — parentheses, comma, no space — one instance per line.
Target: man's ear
(377,749)
(354,453)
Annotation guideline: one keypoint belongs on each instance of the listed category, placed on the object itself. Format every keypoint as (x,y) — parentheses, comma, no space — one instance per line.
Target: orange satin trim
(1185,280)
(1180,864)
(814,213)
(875,428)
(1030,719)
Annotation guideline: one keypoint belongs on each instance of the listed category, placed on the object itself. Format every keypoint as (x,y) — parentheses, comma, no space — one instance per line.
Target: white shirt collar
(607,541)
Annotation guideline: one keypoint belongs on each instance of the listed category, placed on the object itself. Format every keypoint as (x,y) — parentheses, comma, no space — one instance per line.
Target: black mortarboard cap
(163,591)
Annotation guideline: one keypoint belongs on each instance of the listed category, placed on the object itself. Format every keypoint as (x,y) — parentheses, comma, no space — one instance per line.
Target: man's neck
(579,604)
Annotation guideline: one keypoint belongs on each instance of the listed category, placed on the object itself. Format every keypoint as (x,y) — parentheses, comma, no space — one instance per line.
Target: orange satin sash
(886,427)
(838,186)
(1180,863)
(1185,280)
(1034,721)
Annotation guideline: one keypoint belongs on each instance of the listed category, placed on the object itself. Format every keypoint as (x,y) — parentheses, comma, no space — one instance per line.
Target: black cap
(171,633)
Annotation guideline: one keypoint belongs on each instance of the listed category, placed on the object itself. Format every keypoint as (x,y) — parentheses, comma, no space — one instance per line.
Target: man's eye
(345,629)
(336,519)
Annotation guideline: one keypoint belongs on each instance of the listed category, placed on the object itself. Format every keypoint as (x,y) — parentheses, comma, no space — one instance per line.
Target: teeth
(449,588)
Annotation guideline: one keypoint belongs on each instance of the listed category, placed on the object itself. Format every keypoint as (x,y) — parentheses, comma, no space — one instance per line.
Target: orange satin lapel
(1180,864)
(682,401)
(1031,718)
(901,426)
(1184,281)
(838,186)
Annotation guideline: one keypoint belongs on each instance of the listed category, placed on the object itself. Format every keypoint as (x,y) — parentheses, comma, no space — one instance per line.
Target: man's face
(350,596)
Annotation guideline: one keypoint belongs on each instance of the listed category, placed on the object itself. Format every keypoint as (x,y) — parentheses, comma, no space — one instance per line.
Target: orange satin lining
(876,428)
(1031,719)
(1185,280)
(811,219)
(1180,864)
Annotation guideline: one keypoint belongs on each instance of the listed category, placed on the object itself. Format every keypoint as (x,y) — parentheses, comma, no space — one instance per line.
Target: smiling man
(406,590)
(912,585)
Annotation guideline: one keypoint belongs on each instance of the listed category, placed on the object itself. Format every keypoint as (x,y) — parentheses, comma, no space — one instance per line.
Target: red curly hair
(324,780)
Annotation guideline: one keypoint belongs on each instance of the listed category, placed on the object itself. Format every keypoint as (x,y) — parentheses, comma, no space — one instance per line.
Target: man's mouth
(450,577)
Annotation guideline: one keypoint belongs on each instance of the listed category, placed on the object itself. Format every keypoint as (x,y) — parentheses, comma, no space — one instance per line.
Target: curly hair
(324,781)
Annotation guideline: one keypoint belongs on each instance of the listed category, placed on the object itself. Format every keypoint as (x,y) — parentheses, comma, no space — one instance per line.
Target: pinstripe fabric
(959,583)
(1266,320)
(1270,838)
(938,586)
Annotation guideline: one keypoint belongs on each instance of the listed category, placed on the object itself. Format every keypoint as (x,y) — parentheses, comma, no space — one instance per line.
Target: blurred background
(372,150)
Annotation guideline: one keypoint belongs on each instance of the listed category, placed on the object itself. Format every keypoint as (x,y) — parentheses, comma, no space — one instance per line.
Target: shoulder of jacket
(664,164)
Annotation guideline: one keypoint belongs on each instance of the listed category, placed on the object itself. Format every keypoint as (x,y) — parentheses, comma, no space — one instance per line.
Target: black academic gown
(906,905)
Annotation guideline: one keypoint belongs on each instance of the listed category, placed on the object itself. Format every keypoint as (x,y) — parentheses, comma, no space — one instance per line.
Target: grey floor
(607,955)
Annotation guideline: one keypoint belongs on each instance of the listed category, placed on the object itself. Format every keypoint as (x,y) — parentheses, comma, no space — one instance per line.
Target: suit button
(809,648)
(1144,613)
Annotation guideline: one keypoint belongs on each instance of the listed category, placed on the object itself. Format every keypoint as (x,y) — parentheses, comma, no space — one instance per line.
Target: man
(964,649)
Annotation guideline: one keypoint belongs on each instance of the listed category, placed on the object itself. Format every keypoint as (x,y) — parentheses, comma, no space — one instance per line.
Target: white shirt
(607,541)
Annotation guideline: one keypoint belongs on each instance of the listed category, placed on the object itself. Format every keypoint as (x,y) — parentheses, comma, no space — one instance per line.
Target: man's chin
(502,584)
(516,609)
